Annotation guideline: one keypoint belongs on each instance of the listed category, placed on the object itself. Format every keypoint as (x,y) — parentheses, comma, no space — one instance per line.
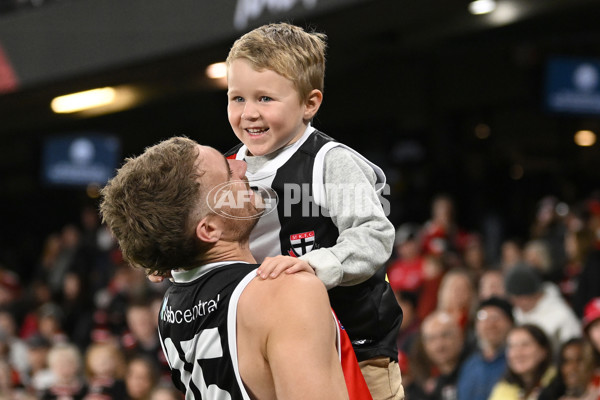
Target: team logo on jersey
(302,243)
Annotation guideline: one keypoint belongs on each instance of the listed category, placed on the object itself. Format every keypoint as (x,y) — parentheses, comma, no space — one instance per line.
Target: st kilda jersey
(296,221)
(197,328)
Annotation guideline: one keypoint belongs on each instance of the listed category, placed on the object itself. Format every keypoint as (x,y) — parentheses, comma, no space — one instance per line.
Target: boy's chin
(259,150)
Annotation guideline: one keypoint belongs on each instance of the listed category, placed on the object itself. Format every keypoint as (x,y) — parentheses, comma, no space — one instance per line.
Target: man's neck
(489,353)
(229,251)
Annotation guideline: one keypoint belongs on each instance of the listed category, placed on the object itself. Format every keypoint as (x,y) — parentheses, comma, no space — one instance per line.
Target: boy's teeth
(255,131)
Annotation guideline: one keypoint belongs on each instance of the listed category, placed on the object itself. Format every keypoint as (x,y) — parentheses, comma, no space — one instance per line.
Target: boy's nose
(238,167)
(250,112)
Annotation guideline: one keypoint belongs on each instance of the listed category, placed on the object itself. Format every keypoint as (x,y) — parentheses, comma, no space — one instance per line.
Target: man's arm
(292,319)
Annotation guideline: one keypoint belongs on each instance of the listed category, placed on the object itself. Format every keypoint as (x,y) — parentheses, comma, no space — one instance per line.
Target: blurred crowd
(84,326)
(522,324)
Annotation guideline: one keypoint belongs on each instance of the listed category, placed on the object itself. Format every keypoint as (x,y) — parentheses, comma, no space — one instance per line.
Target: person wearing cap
(39,377)
(540,303)
(485,366)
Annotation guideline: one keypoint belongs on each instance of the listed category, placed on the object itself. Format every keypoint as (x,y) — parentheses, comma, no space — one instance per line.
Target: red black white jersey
(197,328)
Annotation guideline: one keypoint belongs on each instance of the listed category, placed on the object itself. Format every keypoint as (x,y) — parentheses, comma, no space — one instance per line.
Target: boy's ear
(209,230)
(312,104)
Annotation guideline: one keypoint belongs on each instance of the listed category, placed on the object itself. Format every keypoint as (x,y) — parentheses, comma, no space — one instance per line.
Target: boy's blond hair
(287,50)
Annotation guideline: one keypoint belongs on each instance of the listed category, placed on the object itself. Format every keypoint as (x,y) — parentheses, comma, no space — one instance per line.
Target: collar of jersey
(273,165)
(185,276)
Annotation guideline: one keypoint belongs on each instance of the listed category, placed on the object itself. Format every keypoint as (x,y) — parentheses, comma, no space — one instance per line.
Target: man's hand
(156,278)
(273,266)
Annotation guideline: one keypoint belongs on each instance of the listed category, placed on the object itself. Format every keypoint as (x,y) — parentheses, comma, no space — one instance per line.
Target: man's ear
(209,230)
(312,104)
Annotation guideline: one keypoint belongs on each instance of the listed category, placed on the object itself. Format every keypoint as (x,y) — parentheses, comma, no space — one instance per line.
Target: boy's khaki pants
(383,378)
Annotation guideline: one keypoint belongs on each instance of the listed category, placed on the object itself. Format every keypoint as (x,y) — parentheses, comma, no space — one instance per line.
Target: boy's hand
(273,266)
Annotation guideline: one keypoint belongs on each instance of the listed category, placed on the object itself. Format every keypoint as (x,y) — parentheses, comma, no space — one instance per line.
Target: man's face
(264,108)
(442,340)
(492,326)
(228,191)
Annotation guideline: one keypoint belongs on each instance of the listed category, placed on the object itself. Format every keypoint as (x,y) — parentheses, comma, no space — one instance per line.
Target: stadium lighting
(81,101)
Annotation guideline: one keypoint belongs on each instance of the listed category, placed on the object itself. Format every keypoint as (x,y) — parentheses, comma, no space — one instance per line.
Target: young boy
(326,213)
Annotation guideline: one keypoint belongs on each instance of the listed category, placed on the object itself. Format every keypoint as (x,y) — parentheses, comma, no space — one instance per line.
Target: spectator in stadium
(441,234)
(65,362)
(457,296)
(141,337)
(529,360)
(541,303)
(511,253)
(484,367)
(17,351)
(105,371)
(491,284)
(405,273)
(38,377)
(141,377)
(570,380)
(442,342)
(591,328)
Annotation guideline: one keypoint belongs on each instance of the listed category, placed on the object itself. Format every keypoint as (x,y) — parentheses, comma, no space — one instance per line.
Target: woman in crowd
(529,360)
(591,355)
(570,381)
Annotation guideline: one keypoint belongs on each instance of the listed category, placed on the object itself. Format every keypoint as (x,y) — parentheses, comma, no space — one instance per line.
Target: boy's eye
(237,99)
(265,98)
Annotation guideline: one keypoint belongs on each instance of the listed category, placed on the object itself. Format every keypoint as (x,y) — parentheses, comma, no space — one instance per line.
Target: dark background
(406,85)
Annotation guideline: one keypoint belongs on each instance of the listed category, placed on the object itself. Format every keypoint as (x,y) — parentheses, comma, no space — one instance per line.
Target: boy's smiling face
(264,108)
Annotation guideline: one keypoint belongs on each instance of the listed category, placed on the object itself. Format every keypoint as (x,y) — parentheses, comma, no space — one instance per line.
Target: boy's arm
(366,235)
(299,338)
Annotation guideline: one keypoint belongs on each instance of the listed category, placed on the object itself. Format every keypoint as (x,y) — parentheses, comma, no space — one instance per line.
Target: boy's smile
(264,108)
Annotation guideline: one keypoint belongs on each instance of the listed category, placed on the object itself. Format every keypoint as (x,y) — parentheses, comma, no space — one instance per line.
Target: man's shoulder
(286,285)
(289,294)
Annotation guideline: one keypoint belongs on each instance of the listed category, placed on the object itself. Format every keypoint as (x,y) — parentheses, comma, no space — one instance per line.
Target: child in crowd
(140,378)
(105,370)
(64,360)
(329,217)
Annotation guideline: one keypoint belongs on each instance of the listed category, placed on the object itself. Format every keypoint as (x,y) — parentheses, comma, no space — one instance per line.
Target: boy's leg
(383,378)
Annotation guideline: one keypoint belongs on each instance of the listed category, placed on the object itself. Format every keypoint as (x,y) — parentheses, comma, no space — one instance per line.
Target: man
(184,207)
(482,369)
(540,303)
(442,342)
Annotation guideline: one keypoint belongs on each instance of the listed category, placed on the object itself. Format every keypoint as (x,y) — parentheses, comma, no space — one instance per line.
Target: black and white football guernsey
(299,223)
(197,328)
